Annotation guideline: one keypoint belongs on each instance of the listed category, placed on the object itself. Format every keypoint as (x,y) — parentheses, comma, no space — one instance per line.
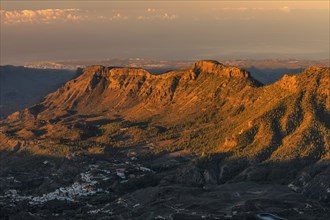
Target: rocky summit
(203,142)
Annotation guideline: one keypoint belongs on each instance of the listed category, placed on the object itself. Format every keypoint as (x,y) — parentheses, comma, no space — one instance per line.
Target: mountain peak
(207,66)
(212,66)
(317,69)
(106,71)
(312,78)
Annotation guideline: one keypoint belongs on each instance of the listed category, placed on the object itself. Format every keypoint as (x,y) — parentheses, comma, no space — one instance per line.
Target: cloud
(243,9)
(285,9)
(156,14)
(152,10)
(226,18)
(40,16)
(118,16)
(48,16)
(235,9)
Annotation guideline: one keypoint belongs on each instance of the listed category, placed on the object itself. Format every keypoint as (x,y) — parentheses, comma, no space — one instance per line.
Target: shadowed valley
(203,142)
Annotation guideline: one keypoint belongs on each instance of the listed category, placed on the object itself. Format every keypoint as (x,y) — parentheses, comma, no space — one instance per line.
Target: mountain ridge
(234,128)
(164,84)
(223,106)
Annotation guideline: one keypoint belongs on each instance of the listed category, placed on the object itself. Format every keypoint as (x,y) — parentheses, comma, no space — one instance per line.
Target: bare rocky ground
(125,185)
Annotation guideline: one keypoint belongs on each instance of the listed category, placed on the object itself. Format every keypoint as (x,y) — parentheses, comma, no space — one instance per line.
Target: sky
(163,30)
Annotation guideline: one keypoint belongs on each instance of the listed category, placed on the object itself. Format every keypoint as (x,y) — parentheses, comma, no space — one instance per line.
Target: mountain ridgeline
(208,140)
(253,131)
(223,105)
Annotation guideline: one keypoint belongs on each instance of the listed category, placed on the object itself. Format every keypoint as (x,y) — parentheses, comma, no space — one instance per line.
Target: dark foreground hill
(202,141)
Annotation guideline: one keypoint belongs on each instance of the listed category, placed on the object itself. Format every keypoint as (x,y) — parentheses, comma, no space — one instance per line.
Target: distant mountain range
(149,64)
(22,87)
(266,71)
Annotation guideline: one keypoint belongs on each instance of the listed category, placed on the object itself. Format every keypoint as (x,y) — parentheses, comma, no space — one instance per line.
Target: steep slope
(196,127)
(208,107)
(102,89)
(290,116)
(135,94)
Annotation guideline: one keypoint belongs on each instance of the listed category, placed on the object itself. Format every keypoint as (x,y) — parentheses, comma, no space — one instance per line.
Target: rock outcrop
(210,66)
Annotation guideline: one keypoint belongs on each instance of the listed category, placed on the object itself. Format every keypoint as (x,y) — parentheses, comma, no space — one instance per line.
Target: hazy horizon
(185,30)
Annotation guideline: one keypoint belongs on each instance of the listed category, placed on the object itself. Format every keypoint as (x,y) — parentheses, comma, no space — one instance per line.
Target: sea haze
(163,30)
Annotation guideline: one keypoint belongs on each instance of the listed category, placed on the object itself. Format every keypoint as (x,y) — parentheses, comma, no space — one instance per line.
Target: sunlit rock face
(123,142)
(209,66)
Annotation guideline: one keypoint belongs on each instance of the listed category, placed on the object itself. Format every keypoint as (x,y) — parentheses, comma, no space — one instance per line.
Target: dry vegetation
(208,109)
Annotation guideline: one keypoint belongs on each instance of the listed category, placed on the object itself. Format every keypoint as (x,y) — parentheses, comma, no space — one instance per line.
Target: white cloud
(40,16)
(48,16)
(156,14)
(168,16)
(118,16)
(151,10)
